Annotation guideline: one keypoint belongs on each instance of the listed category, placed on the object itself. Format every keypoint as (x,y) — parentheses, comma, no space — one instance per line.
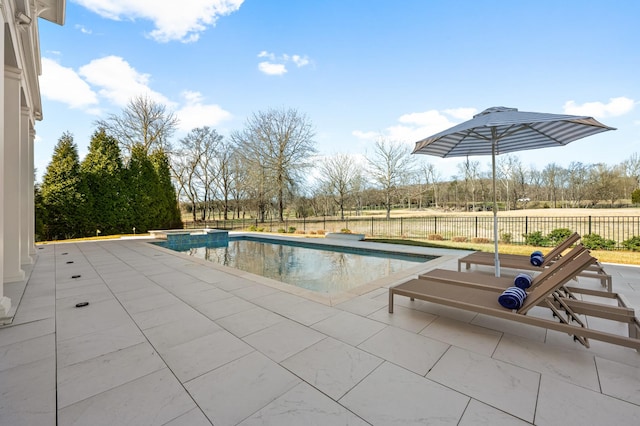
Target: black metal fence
(616,228)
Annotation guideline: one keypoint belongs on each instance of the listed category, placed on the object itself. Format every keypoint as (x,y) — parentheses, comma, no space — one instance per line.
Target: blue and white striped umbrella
(500,130)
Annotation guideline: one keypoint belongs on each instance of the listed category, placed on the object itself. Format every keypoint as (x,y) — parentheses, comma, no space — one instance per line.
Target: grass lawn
(607,256)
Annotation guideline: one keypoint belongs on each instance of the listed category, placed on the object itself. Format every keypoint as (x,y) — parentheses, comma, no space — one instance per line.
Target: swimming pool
(320,268)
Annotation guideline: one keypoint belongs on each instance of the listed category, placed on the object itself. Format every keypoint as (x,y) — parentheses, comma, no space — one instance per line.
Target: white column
(23,188)
(31,217)
(5,302)
(12,271)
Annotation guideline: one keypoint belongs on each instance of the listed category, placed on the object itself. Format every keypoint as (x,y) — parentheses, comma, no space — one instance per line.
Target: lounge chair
(484,300)
(480,279)
(523,263)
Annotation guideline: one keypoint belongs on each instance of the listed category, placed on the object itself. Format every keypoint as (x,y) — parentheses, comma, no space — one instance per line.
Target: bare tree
(469,169)
(390,163)
(143,122)
(280,142)
(338,175)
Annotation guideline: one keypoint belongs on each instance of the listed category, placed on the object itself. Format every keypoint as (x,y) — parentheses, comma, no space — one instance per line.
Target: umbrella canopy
(500,130)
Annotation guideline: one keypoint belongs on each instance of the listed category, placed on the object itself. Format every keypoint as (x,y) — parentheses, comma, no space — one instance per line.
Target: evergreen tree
(167,202)
(142,188)
(63,196)
(102,172)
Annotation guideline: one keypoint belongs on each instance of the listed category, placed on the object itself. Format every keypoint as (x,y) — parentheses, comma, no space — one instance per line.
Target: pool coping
(332,299)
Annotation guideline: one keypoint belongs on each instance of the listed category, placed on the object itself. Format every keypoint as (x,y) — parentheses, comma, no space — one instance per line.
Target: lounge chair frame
(484,300)
(521,262)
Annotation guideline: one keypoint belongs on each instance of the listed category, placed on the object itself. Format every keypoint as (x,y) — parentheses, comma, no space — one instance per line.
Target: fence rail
(616,228)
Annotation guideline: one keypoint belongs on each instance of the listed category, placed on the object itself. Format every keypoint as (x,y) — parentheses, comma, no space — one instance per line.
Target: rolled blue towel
(512,298)
(536,253)
(537,260)
(522,281)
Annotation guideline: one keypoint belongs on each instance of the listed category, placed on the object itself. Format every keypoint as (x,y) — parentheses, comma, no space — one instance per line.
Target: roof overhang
(52,10)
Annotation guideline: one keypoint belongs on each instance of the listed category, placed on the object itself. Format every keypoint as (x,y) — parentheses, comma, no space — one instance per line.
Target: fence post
(526,225)
(372,225)
(401,227)
(589,224)
(304,224)
(435,225)
(476,226)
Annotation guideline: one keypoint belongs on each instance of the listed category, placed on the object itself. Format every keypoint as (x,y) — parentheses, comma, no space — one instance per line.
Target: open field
(510,213)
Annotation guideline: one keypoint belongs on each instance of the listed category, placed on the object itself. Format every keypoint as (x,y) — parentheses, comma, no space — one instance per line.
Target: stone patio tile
(511,327)
(409,350)
(27,351)
(181,289)
(432,308)
(171,277)
(331,366)
(478,413)
(91,377)
(177,311)
(102,315)
(225,307)
(577,367)
(307,312)
(238,389)
(619,380)
(405,318)
(393,395)
(587,407)
(141,293)
(253,292)
(496,383)
(249,321)
(202,297)
(171,334)
(362,305)
(28,393)
(206,353)
(152,400)
(87,346)
(194,417)
(303,405)
(467,336)
(350,328)
(136,281)
(233,283)
(18,333)
(91,293)
(148,303)
(276,301)
(283,339)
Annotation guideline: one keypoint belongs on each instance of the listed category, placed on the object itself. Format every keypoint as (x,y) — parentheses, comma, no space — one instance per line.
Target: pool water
(320,268)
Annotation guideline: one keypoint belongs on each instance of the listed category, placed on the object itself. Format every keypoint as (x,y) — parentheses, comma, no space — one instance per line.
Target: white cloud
(196,114)
(300,61)
(75,92)
(183,21)
(365,135)
(277,64)
(265,54)
(271,68)
(119,81)
(615,107)
(461,113)
(82,29)
(415,126)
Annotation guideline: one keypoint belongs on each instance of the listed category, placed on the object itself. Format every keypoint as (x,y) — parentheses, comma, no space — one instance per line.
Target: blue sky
(358,69)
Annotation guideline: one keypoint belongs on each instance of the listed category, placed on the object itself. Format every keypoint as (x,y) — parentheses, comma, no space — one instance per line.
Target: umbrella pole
(494,138)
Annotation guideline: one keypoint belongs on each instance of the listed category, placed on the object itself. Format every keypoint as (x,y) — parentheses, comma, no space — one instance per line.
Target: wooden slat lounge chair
(523,263)
(484,300)
(480,279)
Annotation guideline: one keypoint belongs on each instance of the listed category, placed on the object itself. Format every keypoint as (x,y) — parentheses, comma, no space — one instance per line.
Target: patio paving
(171,340)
